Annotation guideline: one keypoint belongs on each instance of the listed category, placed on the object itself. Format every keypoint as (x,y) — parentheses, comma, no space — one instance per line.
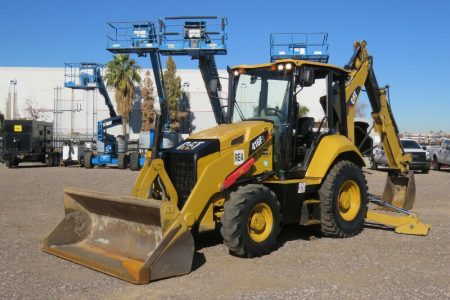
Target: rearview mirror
(306,77)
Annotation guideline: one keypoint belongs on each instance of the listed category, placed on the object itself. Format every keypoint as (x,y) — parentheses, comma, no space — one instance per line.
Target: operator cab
(273,93)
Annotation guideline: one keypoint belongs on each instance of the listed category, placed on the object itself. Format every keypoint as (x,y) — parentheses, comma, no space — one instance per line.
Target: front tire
(251,221)
(88,160)
(134,161)
(343,201)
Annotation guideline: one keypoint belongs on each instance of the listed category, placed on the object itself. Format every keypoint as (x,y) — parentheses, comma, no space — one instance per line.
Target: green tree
(148,103)
(122,73)
(172,88)
(186,115)
(303,111)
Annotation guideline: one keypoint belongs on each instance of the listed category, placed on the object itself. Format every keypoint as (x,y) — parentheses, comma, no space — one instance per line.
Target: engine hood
(231,135)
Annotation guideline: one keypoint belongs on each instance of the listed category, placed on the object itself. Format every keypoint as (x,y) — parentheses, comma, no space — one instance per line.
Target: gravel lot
(375,264)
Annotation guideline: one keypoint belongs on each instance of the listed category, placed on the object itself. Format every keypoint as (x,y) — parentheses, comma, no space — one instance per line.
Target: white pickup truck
(440,156)
(420,156)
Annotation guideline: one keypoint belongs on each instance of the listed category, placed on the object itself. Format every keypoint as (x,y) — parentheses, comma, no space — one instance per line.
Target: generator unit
(28,141)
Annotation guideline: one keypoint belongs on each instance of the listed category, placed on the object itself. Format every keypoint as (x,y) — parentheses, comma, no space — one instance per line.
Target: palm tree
(122,73)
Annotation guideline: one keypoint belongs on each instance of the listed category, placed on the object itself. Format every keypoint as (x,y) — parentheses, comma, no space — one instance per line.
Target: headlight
(288,66)
(428,155)
(236,73)
(280,67)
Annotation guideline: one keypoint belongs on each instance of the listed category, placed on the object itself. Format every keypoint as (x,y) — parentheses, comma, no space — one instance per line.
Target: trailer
(28,141)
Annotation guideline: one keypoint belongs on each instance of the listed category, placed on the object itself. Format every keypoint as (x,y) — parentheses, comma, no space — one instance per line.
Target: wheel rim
(260,222)
(349,200)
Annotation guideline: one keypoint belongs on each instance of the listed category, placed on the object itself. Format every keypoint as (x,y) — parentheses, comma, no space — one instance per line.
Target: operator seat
(304,138)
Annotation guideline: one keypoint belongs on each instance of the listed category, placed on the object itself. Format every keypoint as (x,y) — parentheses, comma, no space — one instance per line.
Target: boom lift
(197,37)
(264,168)
(200,38)
(88,76)
(142,38)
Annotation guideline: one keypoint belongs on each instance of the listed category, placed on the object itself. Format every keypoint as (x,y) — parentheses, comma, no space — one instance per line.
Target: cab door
(445,152)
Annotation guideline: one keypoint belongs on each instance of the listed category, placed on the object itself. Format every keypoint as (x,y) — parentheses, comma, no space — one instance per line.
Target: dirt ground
(377,264)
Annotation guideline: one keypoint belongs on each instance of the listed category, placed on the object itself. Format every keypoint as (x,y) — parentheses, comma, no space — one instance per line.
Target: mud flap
(120,236)
(400,190)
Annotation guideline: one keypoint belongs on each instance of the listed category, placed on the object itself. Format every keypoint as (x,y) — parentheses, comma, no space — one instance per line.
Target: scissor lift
(302,46)
(200,37)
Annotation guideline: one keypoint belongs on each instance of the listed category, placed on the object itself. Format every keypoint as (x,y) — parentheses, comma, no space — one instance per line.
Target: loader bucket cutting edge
(400,190)
(120,236)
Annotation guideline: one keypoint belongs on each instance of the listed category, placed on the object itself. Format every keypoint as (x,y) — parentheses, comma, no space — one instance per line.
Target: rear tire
(373,164)
(134,161)
(426,171)
(49,160)
(343,201)
(122,161)
(87,160)
(436,165)
(9,163)
(251,221)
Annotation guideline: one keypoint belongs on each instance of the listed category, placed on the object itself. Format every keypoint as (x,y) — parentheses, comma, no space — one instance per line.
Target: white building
(77,111)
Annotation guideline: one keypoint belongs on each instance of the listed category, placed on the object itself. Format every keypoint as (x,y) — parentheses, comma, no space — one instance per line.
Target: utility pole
(72,113)
(12,101)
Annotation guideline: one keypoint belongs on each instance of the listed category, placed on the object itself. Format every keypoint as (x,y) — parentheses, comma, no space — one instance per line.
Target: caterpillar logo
(189,146)
(354,96)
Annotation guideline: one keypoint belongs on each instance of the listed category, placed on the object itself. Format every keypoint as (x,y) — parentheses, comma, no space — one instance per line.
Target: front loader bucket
(120,236)
(400,190)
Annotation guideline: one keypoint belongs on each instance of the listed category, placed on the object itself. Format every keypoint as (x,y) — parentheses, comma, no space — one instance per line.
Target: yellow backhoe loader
(265,167)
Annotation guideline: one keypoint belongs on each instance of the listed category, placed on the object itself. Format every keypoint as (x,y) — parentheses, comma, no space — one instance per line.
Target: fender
(323,158)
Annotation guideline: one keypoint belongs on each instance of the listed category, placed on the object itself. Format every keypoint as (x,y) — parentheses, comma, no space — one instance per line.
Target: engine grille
(419,157)
(183,174)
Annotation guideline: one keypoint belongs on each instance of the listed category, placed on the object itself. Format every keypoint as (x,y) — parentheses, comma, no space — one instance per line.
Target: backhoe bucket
(120,236)
(400,190)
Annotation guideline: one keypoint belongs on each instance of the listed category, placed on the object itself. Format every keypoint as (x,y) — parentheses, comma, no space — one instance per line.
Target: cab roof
(296,62)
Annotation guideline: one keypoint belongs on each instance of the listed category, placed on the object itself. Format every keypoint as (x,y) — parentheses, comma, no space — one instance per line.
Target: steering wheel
(271,111)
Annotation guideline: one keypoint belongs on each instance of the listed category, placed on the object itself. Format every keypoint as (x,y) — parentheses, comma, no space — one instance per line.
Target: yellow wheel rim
(349,200)
(260,222)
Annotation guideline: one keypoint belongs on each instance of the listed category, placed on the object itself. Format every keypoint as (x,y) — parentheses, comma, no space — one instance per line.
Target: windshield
(261,94)
(410,144)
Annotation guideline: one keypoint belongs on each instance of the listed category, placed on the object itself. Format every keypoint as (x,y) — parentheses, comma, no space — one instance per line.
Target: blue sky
(410,40)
